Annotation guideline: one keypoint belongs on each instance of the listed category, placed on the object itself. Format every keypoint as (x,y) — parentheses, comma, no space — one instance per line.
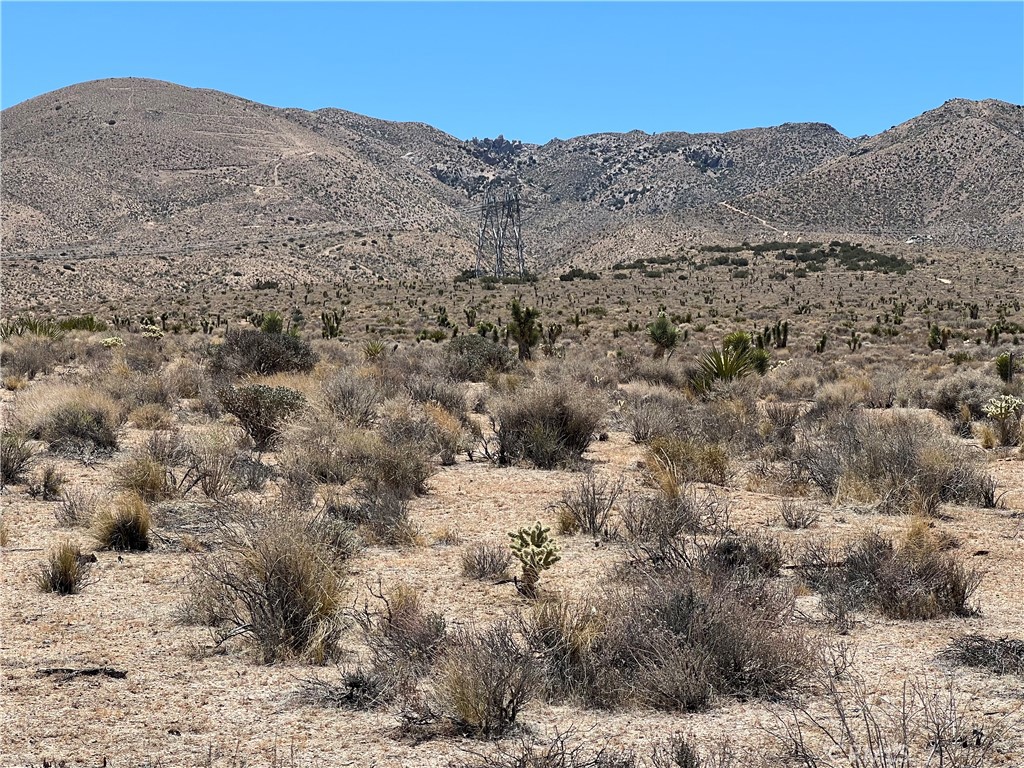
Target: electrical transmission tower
(501,234)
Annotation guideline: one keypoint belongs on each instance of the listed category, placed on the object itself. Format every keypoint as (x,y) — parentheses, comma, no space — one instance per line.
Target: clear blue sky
(535,71)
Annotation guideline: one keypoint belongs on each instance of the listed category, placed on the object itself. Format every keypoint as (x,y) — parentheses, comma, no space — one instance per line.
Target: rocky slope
(142,166)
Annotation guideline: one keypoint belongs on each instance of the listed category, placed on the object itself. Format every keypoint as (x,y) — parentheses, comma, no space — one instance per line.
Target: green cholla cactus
(1006,411)
(536,551)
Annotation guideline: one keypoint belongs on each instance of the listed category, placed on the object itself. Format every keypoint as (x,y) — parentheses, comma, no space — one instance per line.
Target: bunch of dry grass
(484,560)
(68,416)
(275,582)
(484,679)
(674,462)
(145,476)
(16,455)
(152,416)
(66,571)
(123,524)
(76,509)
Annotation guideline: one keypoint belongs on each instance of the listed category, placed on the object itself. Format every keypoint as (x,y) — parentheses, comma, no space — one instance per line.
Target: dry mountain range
(141,166)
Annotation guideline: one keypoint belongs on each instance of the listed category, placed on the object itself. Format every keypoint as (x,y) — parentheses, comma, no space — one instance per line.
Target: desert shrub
(663,518)
(223,468)
(47,484)
(674,462)
(325,449)
(15,456)
(76,508)
(911,579)
(562,633)
(669,643)
(353,398)
(145,476)
(69,417)
(780,420)
(187,378)
(275,582)
(797,515)
(587,506)
(746,556)
(123,524)
(30,355)
(486,561)
(403,635)
(563,750)
(250,351)
(658,413)
(484,679)
(921,725)
(972,388)
(261,410)
(1001,656)
(548,425)
(66,570)
(152,416)
(443,392)
(362,688)
(399,468)
(470,357)
(134,390)
(903,460)
(381,515)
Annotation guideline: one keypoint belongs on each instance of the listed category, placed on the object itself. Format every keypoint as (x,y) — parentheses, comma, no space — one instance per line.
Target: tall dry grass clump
(69,416)
(123,524)
(277,582)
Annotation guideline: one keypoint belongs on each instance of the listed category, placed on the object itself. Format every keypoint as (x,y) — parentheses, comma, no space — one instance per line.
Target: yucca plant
(725,364)
(1005,366)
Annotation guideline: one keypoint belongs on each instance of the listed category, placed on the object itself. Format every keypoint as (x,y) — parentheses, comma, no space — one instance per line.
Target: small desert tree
(664,334)
(524,329)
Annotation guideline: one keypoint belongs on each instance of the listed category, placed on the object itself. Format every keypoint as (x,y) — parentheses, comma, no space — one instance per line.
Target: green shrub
(471,357)
(250,351)
(262,410)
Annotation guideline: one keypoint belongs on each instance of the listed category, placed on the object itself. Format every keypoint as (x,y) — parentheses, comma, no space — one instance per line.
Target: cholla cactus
(536,551)
(151,332)
(1006,411)
(112,342)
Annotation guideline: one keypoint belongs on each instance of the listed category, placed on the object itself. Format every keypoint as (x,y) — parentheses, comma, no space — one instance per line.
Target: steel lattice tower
(501,234)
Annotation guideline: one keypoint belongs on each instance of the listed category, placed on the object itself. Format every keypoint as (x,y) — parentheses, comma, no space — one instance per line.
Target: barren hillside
(134,166)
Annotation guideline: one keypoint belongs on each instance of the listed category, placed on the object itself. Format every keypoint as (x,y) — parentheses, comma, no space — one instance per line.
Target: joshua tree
(664,335)
(524,329)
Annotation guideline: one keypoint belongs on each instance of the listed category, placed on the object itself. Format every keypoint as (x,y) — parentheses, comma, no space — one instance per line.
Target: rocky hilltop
(142,166)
